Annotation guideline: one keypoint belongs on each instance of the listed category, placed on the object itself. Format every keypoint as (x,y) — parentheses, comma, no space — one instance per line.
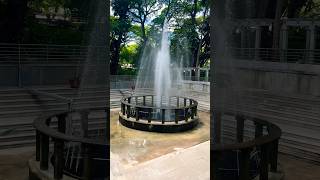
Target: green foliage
(38,33)
(129,54)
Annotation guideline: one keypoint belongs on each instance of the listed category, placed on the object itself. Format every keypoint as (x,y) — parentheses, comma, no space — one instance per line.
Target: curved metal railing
(144,107)
(266,140)
(45,132)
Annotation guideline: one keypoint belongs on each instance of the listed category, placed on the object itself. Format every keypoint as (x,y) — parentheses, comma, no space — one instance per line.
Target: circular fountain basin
(151,113)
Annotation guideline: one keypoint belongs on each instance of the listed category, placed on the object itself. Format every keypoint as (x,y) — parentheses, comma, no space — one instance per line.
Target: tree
(119,29)
(140,11)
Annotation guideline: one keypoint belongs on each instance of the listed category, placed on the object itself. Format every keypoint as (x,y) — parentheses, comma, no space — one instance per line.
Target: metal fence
(302,56)
(74,54)
(45,54)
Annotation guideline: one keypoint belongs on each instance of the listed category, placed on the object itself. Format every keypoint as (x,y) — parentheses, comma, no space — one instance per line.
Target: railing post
(87,162)
(128,111)
(58,158)
(151,100)
(274,156)
(84,122)
(258,130)
(137,113)
(144,100)
(122,108)
(186,117)
(240,128)
(244,164)
(44,151)
(38,145)
(176,114)
(192,112)
(185,102)
(62,123)
(149,115)
(19,67)
(163,115)
(177,101)
(215,157)
(264,162)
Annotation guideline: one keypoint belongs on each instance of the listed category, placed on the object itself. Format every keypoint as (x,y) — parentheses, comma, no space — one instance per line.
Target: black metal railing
(265,141)
(47,133)
(144,108)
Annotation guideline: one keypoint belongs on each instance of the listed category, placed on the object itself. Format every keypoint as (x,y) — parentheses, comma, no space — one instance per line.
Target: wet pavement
(134,146)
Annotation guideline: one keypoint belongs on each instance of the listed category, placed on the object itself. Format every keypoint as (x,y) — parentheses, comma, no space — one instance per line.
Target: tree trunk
(115,56)
(277,24)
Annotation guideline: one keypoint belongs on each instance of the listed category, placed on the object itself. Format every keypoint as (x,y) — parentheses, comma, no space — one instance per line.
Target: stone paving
(13,164)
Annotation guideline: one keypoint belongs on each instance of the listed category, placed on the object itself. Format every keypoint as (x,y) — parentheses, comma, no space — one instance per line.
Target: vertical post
(207,75)
(284,42)
(185,102)
(311,43)
(151,100)
(186,116)
(163,115)
(274,156)
(257,42)
(144,100)
(176,116)
(137,113)
(258,130)
(19,67)
(264,162)
(215,157)
(122,108)
(149,115)
(243,42)
(58,158)
(198,74)
(37,145)
(244,164)
(44,153)
(240,128)
(87,162)
(128,111)
(177,101)
(84,122)
(62,123)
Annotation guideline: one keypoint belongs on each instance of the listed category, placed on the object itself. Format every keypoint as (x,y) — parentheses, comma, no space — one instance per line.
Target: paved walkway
(192,163)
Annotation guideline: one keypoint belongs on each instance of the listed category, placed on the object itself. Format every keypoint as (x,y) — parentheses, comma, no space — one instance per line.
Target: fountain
(165,109)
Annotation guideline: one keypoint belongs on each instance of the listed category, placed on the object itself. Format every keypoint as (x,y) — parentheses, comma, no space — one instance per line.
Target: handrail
(44,133)
(55,96)
(69,101)
(123,101)
(274,134)
(266,144)
(41,125)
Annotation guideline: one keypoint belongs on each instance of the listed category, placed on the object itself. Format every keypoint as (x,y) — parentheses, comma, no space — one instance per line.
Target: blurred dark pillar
(218,45)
